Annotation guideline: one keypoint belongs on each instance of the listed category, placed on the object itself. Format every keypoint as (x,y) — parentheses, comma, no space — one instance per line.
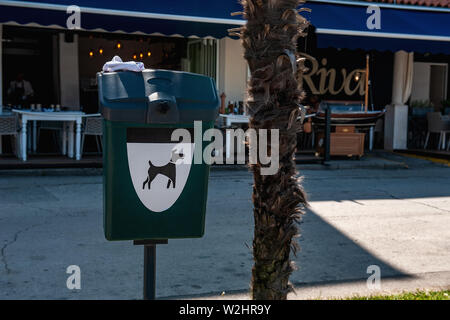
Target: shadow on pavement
(327,256)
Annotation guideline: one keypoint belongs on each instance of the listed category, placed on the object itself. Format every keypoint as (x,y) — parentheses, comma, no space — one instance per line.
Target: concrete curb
(230,167)
(332,165)
(343,166)
(53,172)
(368,163)
(218,168)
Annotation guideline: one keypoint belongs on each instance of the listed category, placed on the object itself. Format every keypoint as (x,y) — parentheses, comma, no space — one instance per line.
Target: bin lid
(157,96)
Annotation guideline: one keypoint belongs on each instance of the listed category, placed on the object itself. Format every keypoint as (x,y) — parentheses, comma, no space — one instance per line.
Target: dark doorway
(32,52)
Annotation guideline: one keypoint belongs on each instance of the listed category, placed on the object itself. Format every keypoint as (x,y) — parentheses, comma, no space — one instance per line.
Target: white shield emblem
(159,172)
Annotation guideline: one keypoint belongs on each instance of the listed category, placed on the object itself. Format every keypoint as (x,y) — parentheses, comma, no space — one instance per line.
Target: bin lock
(162,108)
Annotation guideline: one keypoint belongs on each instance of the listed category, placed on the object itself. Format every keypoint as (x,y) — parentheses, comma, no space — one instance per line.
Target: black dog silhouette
(168,170)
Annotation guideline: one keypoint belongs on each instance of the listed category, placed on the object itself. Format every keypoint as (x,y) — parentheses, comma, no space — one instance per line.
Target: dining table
(69,118)
(230,119)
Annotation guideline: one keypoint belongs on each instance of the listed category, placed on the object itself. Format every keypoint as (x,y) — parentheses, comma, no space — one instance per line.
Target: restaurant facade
(59,46)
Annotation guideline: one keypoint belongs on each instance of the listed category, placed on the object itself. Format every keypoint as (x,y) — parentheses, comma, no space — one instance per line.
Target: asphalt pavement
(397,218)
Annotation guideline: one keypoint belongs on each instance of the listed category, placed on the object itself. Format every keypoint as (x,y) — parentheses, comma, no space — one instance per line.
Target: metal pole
(149,272)
(218,84)
(327,133)
(370,82)
(366,98)
(149,288)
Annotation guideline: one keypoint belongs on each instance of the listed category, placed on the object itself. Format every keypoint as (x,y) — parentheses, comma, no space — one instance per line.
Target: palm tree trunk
(269,39)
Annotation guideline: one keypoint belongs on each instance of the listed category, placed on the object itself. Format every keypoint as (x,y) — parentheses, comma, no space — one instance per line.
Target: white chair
(437,123)
(9,126)
(93,126)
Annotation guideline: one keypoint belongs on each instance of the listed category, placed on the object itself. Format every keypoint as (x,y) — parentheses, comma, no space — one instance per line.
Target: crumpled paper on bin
(116,64)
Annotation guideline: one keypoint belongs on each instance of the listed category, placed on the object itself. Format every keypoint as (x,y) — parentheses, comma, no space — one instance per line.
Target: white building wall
(69,72)
(421,82)
(232,70)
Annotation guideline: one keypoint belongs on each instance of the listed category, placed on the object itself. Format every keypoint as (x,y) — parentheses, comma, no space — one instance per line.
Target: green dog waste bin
(153,188)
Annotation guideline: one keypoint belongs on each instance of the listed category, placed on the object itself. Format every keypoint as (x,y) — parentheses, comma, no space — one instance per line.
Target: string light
(91,53)
(118,45)
(100,50)
(149,53)
(134,56)
(141,55)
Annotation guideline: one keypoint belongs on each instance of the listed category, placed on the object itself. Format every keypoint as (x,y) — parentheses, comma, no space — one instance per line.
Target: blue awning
(200,18)
(338,23)
(347,17)
(342,24)
(382,44)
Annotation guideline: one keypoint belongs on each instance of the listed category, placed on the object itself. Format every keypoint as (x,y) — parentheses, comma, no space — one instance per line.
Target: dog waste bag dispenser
(153,189)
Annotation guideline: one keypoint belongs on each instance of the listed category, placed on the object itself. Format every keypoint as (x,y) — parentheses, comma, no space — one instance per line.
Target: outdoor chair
(437,123)
(93,126)
(9,126)
(56,127)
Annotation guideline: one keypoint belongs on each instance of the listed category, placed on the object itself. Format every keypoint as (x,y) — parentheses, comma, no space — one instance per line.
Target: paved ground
(396,219)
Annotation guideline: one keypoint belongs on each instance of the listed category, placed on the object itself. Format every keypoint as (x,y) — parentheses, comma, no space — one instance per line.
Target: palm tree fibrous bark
(269,39)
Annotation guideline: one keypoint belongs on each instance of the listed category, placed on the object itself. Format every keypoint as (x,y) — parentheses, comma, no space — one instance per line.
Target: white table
(70,117)
(229,120)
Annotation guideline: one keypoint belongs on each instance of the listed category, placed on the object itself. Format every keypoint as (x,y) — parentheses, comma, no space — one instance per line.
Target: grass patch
(418,295)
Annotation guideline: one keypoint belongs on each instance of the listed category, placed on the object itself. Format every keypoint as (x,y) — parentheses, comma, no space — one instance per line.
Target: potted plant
(420,108)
